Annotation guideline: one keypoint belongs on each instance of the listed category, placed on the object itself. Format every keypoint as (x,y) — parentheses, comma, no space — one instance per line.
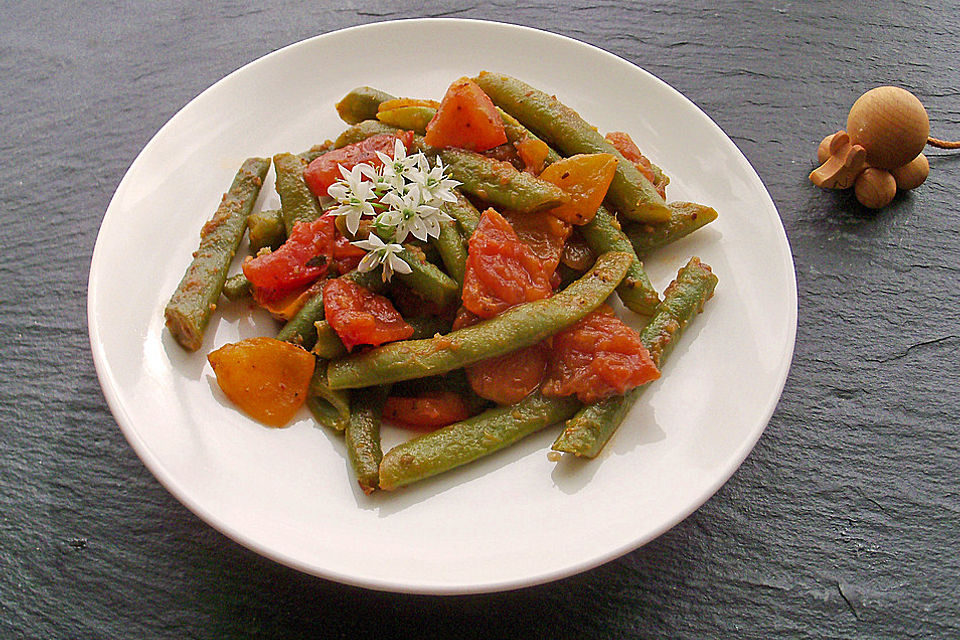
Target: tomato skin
(597,358)
(302,259)
(510,378)
(545,233)
(360,316)
(466,119)
(324,170)
(426,411)
(502,270)
(267,378)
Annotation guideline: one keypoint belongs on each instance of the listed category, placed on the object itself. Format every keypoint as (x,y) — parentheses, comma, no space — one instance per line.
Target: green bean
(591,428)
(453,250)
(188,311)
(561,127)
(316,151)
(463,442)
(361,104)
(686,217)
(361,131)
(297,202)
(237,287)
(464,213)
(329,346)
(603,233)
(299,329)
(410,118)
(363,436)
(330,408)
(428,280)
(500,183)
(515,328)
(265,229)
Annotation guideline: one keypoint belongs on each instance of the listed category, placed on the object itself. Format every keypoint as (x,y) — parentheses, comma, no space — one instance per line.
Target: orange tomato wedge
(586,178)
(266,378)
(467,119)
(533,153)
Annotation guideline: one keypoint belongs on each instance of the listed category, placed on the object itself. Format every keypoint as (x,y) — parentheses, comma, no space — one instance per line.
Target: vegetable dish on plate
(449,267)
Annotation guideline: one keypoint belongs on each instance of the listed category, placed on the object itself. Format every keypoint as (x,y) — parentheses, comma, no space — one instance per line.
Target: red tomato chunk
(360,316)
(597,358)
(427,411)
(466,119)
(502,270)
(509,378)
(302,259)
(324,170)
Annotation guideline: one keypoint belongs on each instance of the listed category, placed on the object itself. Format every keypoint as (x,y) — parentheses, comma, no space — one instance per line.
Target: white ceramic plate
(510,520)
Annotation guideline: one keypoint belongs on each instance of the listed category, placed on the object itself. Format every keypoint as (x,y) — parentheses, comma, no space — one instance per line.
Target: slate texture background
(842,523)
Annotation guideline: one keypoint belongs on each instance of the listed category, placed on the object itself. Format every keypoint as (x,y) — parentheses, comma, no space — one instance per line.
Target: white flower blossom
(381,253)
(407,214)
(354,192)
(399,169)
(435,188)
(405,195)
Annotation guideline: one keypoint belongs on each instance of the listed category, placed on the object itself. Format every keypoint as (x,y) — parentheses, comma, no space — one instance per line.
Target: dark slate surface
(841,523)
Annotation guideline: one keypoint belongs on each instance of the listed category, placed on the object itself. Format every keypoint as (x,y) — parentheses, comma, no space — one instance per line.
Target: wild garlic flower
(381,253)
(435,187)
(355,194)
(405,195)
(399,169)
(408,215)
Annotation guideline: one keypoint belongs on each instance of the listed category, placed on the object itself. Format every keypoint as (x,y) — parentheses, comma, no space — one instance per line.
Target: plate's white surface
(510,520)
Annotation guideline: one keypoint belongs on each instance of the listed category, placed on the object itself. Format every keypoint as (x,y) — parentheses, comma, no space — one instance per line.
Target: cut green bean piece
(686,217)
(237,288)
(464,213)
(515,328)
(361,131)
(428,280)
(188,311)
(265,229)
(299,329)
(329,346)
(297,202)
(316,151)
(561,127)
(363,436)
(329,408)
(603,233)
(500,183)
(361,104)
(411,118)
(592,427)
(463,442)
(452,247)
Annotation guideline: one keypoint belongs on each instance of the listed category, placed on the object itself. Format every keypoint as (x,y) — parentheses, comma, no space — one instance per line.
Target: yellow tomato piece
(265,377)
(586,177)
(398,103)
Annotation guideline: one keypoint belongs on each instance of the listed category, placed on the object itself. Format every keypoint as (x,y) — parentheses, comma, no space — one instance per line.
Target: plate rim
(159,472)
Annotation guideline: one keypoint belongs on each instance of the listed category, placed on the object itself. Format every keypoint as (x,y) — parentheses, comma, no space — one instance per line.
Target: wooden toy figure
(880,151)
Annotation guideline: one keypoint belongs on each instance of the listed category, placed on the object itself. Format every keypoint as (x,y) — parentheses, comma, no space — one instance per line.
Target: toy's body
(880,151)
